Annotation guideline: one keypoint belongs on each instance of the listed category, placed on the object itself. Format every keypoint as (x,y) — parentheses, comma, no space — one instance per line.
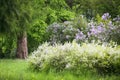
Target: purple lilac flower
(80,36)
(100,29)
(105,16)
(94,31)
(89,34)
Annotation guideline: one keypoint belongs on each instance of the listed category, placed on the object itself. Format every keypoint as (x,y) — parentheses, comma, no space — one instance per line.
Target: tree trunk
(22,49)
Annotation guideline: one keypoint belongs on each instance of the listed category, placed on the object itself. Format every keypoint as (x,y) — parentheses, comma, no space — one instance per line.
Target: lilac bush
(105,31)
(80,36)
(99,32)
(55,32)
(61,32)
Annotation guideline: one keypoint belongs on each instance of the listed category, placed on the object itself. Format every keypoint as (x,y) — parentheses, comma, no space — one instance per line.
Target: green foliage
(8,49)
(6,15)
(51,16)
(107,6)
(18,70)
(58,15)
(14,16)
(76,58)
(65,15)
(55,4)
(80,22)
(37,34)
(90,8)
(46,13)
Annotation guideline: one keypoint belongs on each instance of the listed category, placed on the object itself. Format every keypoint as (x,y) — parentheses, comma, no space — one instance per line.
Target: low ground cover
(18,70)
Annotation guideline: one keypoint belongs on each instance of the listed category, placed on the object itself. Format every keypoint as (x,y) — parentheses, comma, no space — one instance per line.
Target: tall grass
(18,70)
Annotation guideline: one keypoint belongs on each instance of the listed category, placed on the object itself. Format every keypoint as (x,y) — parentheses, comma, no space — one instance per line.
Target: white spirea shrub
(74,57)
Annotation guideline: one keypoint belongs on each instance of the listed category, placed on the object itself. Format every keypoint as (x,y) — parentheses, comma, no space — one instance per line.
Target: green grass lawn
(18,70)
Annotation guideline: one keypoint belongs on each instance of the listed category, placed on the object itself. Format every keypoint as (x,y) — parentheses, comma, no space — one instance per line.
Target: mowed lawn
(14,69)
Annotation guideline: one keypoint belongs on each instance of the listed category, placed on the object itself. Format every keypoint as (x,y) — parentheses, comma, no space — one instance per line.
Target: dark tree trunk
(22,49)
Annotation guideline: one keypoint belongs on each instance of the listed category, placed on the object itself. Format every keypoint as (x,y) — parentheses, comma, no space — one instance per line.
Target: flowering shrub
(80,36)
(67,31)
(61,32)
(75,58)
(105,30)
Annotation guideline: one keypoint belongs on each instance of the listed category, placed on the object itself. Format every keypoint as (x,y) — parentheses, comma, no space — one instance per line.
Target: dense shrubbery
(103,29)
(8,49)
(76,58)
(37,34)
(51,15)
(65,15)
(42,13)
(61,32)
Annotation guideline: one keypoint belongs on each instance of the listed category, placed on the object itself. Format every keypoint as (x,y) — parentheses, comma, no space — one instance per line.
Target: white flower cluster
(70,55)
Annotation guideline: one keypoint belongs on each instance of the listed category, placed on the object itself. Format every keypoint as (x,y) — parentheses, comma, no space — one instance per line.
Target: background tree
(110,6)
(14,18)
(90,8)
